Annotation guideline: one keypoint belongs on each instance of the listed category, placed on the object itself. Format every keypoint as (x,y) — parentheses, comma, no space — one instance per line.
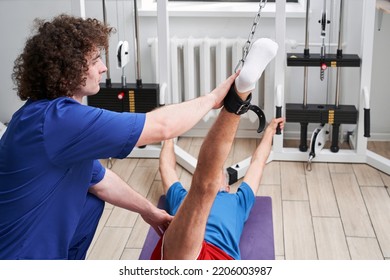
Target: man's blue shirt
(48,160)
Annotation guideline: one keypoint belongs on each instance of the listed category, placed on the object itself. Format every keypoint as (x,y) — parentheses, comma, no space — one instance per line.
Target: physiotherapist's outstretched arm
(173,120)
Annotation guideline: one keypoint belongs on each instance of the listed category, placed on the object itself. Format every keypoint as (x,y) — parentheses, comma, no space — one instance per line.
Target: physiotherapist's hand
(158,219)
(222,89)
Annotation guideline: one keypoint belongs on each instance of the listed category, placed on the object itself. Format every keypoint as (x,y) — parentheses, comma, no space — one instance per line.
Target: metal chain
(248,43)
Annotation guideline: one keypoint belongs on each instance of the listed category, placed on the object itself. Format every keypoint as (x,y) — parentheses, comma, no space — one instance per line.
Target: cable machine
(334,114)
(325,114)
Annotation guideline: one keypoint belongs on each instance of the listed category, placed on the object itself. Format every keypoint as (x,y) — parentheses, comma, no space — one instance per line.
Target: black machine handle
(278,115)
(335,138)
(367,122)
(303,144)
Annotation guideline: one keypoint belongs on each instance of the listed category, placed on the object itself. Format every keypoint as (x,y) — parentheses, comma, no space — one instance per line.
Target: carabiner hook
(308,165)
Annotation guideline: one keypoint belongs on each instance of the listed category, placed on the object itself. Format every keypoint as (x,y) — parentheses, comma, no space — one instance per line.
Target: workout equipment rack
(358,139)
(336,114)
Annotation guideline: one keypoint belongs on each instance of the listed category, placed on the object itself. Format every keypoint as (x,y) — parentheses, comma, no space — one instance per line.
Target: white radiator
(198,65)
(2,129)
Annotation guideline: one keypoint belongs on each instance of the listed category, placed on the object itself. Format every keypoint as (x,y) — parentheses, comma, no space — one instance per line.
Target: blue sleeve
(175,196)
(98,173)
(246,198)
(74,132)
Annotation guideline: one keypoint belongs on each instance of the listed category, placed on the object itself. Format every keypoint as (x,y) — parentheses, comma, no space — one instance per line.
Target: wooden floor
(334,212)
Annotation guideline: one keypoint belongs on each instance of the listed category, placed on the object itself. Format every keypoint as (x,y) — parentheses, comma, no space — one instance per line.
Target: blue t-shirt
(226,219)
(48,160)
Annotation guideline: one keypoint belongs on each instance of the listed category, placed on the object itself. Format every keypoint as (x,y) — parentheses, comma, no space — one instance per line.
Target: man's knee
(86,228)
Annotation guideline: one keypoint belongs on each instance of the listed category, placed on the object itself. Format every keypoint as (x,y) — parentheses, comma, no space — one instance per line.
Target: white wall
(16,21)
(16,18)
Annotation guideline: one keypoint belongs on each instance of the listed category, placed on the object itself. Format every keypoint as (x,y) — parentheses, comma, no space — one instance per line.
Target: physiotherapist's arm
(173,120)
(114,190)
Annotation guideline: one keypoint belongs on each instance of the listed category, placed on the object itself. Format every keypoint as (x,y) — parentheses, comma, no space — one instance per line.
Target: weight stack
(131,98)
(318,113)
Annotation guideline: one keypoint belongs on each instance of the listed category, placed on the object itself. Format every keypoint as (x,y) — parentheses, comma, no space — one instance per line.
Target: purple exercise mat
(257,240)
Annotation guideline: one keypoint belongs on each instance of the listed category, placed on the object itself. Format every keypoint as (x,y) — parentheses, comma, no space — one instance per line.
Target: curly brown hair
(53,62)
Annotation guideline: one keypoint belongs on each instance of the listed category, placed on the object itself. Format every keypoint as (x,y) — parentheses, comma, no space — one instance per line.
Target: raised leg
(184,237)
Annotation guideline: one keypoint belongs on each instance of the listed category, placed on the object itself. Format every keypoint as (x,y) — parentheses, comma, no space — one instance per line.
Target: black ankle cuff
(234,104)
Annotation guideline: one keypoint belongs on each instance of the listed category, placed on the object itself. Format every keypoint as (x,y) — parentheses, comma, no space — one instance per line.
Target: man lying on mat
(208,220)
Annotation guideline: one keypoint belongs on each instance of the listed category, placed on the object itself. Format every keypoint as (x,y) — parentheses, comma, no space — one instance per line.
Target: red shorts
(208,252)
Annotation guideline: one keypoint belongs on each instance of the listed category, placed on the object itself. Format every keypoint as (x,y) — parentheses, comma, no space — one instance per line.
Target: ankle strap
(234,104)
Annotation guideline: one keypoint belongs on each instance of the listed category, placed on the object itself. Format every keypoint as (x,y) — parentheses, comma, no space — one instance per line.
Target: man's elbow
(159,129)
